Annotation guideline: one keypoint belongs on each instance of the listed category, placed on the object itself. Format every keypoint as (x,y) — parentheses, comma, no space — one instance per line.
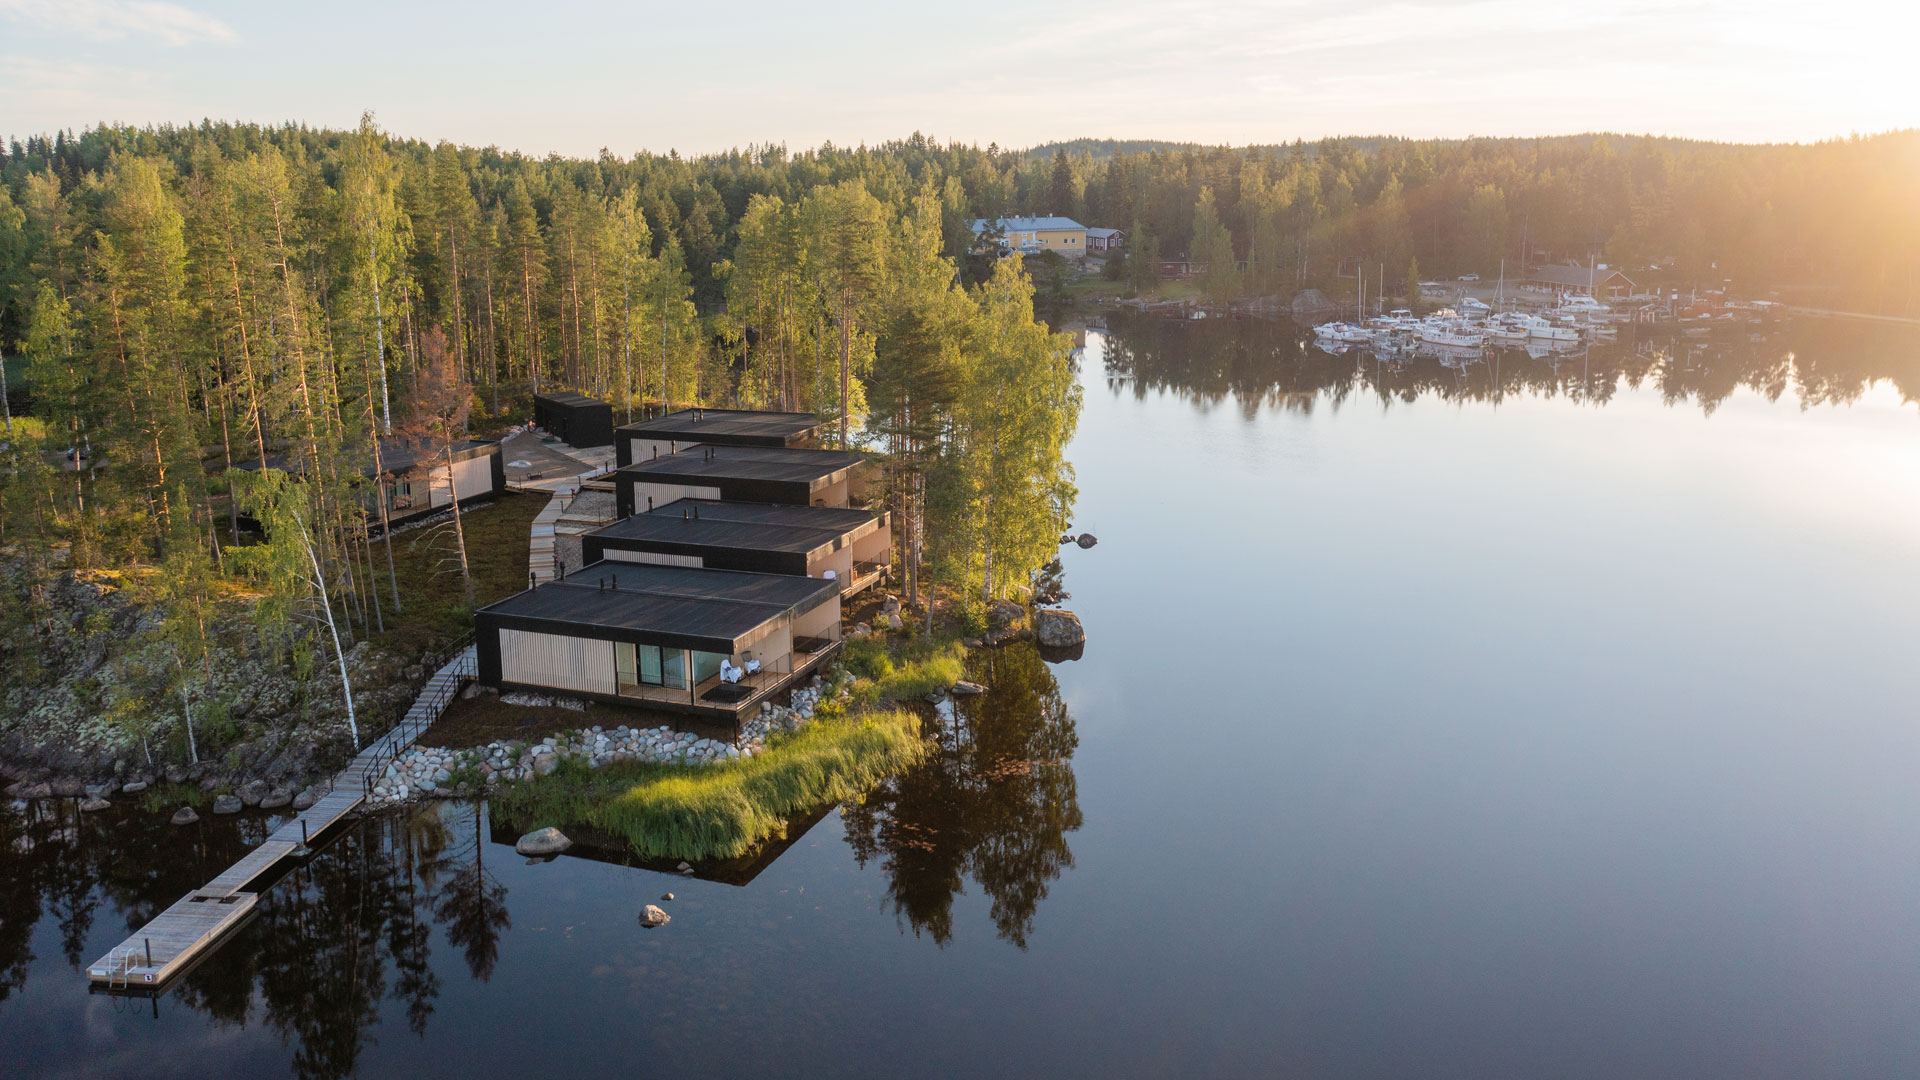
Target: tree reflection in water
(995,804)
(330,942)
(1273,364)
(472,905)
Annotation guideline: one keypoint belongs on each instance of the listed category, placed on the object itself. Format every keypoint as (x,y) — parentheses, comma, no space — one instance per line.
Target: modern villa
(722,591)
(850,547)
(710,643)
(688,428)
(796,477)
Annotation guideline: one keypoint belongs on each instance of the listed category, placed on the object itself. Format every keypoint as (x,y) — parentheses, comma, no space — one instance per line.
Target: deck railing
(426,709)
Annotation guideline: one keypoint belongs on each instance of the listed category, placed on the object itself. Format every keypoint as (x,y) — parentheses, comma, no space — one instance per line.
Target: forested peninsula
(210,333)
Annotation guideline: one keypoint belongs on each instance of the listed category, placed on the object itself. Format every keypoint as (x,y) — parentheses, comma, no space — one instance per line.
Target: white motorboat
(1451,334)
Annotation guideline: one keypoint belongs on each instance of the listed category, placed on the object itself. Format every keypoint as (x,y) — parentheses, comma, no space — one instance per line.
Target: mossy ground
(434,603)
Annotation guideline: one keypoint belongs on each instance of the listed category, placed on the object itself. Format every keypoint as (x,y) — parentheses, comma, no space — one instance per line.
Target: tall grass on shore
(721,811)
(904,672)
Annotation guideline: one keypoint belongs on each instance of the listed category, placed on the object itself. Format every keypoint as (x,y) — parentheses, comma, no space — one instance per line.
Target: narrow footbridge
(187,931)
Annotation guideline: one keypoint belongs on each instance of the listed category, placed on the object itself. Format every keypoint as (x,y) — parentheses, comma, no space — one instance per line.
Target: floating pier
(182,934)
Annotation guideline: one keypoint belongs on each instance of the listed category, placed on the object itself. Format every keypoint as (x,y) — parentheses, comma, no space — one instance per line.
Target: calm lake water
(1546,719)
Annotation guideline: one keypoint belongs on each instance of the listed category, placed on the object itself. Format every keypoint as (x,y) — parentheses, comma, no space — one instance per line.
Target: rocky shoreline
(426,772)
(287,762)
(263,734)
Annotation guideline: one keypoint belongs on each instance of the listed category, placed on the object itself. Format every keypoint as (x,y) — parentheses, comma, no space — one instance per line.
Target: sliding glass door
(649,665)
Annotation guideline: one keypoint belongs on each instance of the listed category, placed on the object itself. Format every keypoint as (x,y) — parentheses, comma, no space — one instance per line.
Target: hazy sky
(577,76)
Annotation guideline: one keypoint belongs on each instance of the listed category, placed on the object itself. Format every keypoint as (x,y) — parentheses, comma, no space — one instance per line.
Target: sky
(578,76)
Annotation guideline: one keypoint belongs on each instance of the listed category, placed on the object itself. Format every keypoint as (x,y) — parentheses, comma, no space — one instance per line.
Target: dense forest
(176,303)
(221,332)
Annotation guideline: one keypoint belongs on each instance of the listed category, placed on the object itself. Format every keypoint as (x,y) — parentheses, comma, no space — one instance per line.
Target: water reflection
(1273,364)
(347,939)
(329,943)
(995,804)
(472,903)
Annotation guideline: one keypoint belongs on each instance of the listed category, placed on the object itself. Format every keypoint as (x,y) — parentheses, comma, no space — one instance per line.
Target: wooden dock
(179,936)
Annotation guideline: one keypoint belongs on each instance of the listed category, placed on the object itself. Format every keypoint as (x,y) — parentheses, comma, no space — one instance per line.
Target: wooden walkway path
(540,550)
(180,935)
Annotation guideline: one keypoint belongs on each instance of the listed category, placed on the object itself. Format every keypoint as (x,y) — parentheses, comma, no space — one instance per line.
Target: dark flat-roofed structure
(416,480)
(851,546)
(575,419)
(714,643)
(685,428)
(797,477)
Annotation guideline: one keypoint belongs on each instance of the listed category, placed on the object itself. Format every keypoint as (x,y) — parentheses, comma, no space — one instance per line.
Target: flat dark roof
(742,525)
(694,425)
(569,398)
(687,607)
(396,455)
(777,463)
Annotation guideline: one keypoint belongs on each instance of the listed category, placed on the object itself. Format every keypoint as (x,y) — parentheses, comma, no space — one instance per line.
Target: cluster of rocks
(888,619)
(533,700)
(435,772)
(95,797)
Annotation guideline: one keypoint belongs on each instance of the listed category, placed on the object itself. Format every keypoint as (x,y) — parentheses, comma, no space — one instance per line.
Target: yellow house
(1030,235)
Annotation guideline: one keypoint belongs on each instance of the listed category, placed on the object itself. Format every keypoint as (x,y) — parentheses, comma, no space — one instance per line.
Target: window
(636,666)
(623,665)
(705,666)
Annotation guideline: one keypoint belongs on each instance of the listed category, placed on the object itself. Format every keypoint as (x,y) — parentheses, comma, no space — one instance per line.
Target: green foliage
(721,811)
(163,796)
(902,670)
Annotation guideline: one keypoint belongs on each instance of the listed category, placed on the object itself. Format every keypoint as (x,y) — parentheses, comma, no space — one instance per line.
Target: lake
(1540,717)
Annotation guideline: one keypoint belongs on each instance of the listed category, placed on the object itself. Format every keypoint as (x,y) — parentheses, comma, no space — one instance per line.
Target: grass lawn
(434,603)
(720,811)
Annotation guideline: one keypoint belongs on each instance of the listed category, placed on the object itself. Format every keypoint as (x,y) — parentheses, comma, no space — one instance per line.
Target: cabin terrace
(795,477)
(711,643)
(688,428)
(848,546)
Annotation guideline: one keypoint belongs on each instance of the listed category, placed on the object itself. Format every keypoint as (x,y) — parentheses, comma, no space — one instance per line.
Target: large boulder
(93,803)
(227,804)
(1002,614)
(963,688)
(305,799)
(547,841)
(1058,629)
(185,816)
(1087,540)
(651,916)
(253,792)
